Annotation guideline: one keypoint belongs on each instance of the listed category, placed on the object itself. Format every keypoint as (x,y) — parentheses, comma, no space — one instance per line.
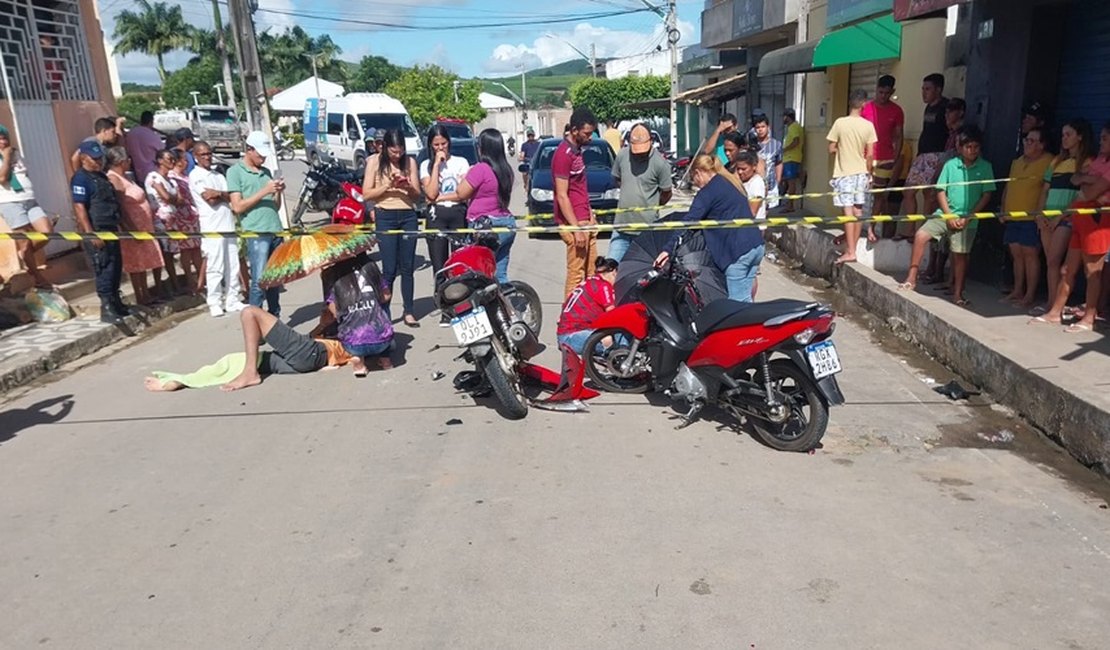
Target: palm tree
(155,30)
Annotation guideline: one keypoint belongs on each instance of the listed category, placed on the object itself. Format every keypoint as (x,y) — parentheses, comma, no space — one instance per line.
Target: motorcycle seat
(725,314)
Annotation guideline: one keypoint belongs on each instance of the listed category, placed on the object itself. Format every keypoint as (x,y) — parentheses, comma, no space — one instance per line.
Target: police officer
(98,210)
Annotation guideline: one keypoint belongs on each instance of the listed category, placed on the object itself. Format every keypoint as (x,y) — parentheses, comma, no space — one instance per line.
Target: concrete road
(323,511)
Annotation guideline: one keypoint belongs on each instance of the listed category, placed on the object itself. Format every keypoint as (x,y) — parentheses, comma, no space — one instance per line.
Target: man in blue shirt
(98,210)
(528,151)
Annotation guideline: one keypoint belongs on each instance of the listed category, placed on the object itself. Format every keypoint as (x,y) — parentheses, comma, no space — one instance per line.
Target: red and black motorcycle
(771,364)
(498,325)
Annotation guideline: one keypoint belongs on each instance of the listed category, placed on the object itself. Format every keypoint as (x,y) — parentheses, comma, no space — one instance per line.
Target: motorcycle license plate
(823,359)
(472,327)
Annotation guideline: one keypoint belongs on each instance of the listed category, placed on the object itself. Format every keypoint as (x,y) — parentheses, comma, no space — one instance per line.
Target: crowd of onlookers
(873,168)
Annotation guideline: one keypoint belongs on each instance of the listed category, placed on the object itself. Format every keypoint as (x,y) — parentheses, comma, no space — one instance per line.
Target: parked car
(598,157)
(457,129)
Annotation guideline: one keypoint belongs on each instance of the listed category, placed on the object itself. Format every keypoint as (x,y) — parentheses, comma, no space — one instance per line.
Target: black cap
(1036,109)
(183,134)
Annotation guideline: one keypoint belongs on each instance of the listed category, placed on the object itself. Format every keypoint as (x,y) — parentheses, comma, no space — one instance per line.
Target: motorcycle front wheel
(605,352)
(806,416)
(506,388)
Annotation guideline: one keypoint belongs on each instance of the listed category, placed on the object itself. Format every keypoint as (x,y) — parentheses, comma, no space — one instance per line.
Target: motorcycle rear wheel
(507,390)
(601,369)
(800,432)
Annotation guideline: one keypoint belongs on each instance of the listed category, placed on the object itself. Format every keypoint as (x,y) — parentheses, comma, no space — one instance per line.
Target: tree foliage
(286,58)
(371,74)
(429,92)
(132,105)
(200,76)
(156,29)
(606,97)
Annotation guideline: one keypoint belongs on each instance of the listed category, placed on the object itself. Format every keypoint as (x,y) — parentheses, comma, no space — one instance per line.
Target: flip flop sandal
(1040,320)
(906,286)
(962,302)
(1077,328)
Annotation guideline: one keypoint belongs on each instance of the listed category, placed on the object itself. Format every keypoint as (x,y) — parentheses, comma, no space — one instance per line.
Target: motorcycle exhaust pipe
(524,339)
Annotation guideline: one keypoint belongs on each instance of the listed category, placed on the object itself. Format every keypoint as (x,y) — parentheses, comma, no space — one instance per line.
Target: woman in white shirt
(746,166)
(18,207)
(440,175)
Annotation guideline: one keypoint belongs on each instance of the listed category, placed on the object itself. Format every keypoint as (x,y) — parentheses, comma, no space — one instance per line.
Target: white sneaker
(235,307)
(216,312)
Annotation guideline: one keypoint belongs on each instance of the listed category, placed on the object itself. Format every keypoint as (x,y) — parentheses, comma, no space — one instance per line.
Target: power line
(411,27)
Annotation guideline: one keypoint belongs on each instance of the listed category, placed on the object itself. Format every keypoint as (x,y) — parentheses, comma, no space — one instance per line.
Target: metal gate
(45,165)
(1084,80)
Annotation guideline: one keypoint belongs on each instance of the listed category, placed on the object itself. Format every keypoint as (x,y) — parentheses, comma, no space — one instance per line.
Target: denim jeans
(368,349)
(259,250)
(505,245)
(398,251)
(740,275)
(618,245)
(576,340)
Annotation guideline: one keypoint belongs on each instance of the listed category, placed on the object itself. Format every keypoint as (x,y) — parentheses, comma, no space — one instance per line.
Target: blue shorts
(791,170)
(367,349)
(1023,233)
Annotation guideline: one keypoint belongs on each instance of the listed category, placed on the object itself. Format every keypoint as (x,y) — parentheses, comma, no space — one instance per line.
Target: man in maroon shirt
(889,121)
(591,299)
(572,198)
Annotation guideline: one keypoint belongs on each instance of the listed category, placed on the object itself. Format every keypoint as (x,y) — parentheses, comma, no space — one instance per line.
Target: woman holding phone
(391,183)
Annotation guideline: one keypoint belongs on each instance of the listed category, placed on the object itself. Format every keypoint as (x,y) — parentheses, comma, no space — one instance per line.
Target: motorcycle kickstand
(690,416)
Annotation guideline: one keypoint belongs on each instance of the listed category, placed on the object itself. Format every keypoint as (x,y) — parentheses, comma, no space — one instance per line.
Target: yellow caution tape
(771,222)
(790,197)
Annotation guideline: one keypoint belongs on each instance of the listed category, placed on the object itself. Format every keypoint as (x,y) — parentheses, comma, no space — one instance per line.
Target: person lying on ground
(355,306)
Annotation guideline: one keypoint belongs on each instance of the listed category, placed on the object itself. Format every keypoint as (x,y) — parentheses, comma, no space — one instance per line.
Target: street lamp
(590,58)
(219,92)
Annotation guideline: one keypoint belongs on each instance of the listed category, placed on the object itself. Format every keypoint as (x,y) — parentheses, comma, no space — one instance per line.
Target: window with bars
(44,52)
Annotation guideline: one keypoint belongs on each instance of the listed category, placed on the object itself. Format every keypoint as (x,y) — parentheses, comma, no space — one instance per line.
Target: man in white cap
(645,181)
(255,199)
(212,199)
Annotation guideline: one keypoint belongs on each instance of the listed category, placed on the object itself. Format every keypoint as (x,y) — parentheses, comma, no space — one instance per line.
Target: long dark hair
(491,150)
(440,131)
(392,138)
(1087,148)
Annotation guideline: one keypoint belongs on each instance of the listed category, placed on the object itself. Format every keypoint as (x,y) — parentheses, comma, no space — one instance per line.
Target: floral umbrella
(304,254)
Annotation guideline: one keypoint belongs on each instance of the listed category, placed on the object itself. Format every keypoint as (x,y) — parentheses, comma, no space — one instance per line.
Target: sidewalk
(35,349)
(1059,382)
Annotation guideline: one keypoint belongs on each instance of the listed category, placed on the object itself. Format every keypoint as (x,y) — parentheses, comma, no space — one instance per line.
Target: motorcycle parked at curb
(324,188)
(772,364)
(497,325)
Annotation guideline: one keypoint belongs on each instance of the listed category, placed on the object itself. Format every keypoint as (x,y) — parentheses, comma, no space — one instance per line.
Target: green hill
(545,85)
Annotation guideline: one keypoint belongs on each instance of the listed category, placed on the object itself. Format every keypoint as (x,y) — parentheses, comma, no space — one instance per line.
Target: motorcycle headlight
(542,195)
(455,292)
(613,194)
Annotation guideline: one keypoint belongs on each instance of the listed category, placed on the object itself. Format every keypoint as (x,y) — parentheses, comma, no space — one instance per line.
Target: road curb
(1080,426)
(97,339)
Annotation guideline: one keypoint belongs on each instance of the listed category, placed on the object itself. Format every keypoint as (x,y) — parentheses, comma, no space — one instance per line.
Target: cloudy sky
(475,51)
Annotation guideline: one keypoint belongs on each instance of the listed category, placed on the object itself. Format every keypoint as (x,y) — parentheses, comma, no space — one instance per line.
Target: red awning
(907,9)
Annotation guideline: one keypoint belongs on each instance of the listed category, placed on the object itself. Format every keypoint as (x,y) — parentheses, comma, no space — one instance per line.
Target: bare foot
(1011,297)
(155,385)
(245,380)
(385,363)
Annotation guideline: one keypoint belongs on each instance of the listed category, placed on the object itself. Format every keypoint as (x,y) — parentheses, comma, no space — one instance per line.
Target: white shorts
(851,190)
(20,214)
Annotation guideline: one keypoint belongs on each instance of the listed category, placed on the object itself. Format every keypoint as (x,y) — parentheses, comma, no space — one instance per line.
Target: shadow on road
(16,420)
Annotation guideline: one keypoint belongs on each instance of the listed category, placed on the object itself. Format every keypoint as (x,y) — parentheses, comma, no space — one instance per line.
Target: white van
(335,128)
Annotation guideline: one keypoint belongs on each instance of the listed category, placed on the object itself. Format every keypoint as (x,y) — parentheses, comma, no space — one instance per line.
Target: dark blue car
(604,194)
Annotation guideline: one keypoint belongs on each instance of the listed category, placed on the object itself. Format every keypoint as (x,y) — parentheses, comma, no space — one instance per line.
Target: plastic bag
(48,306)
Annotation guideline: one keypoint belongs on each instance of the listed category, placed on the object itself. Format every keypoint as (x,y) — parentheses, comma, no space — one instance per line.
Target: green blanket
(227,368)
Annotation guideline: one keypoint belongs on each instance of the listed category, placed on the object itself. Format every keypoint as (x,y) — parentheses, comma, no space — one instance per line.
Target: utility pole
(673,36)
(523,101)
(670,21)
(225,60)
(593,59)
(254,89)
(315,74)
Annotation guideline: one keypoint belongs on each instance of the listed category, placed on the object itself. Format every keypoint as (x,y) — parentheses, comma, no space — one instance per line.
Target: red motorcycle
(771,364)
(351,209)
(498,325)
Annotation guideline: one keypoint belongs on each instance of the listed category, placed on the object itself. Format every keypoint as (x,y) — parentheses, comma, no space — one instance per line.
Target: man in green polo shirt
(964,187)
(255,199)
